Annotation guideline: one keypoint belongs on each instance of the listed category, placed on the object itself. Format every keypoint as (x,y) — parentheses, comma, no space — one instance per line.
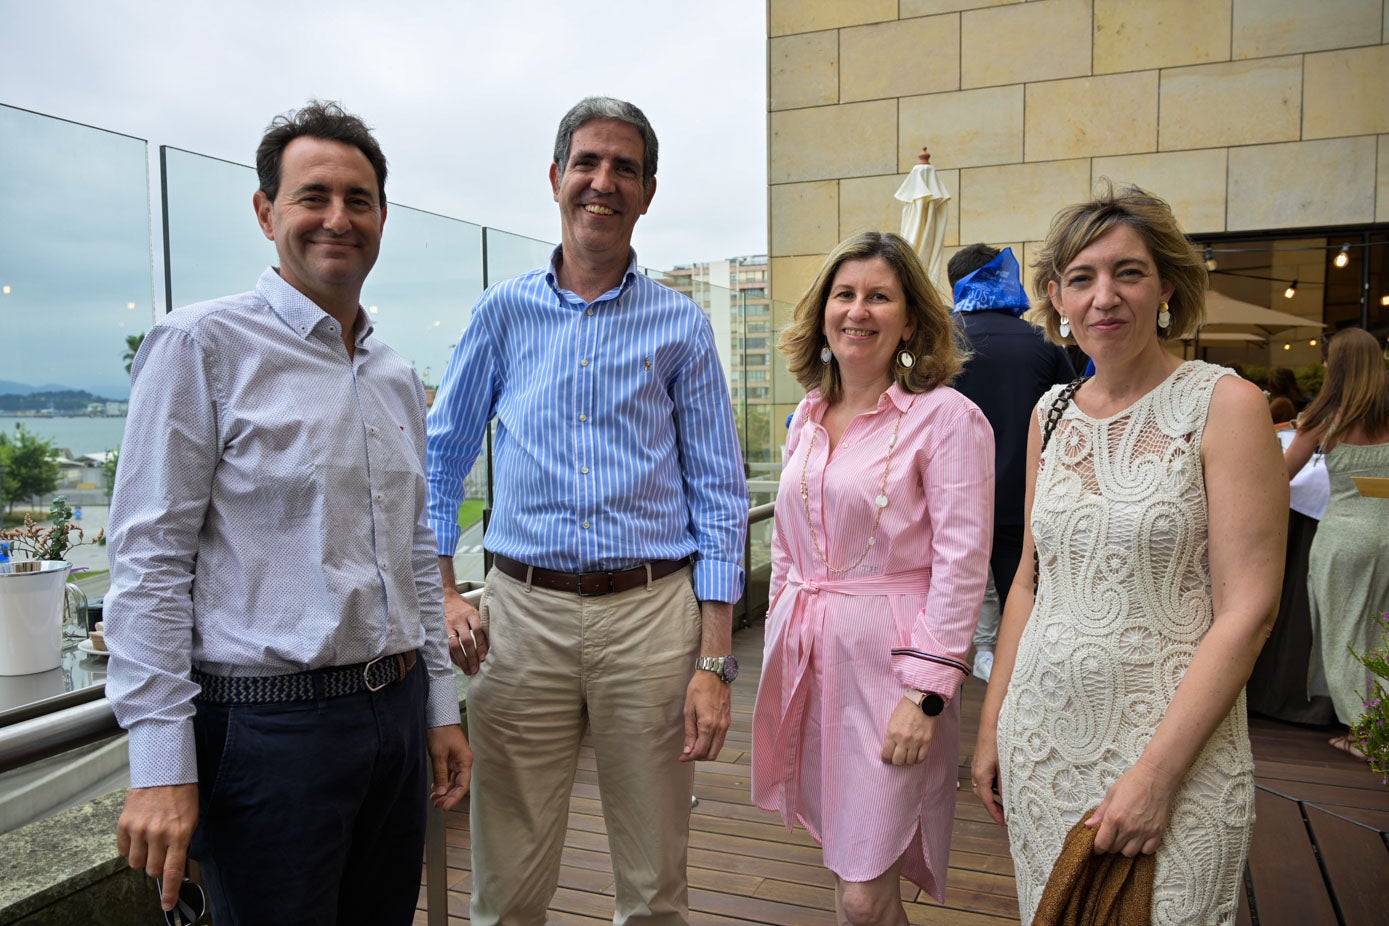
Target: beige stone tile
(971,128)
(1025,42)
(831,142)
(1330,182)
(1136,36)
(911,8)
(1017,201)
(791,277)
(1263,28)
(1192,182)
(1029,276)
(867,203)
(1346,92)
(804,70)
(805,217)
(1382,181)
(1092,116)
(900,58)
(1237,103)
(786,17)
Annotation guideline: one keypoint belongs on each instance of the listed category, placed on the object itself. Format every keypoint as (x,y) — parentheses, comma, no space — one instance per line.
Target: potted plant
(33,591)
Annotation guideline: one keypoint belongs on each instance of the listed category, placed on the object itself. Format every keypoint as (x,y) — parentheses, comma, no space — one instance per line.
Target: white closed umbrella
(924,219)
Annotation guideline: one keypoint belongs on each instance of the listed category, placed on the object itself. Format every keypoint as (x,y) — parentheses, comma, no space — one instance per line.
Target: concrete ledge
(65,870)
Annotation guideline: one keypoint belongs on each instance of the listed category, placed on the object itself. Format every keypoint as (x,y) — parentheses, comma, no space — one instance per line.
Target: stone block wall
(1245,114)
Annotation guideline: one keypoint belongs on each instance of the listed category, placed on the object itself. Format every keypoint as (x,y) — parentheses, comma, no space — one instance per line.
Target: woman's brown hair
(938,356)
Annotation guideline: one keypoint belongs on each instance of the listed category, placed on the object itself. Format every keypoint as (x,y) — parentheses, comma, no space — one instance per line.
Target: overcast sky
(464,96)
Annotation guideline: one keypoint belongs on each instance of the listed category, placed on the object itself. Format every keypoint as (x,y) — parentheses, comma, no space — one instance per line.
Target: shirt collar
(301,313)
(552,277)
(894,395)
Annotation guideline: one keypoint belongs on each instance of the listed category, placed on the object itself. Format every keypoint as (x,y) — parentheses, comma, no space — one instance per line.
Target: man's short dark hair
(605,107)
(323,119)
(967,260)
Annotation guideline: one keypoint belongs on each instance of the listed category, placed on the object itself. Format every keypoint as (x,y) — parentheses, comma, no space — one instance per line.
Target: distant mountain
(14,388)
(107,391)
(64,401)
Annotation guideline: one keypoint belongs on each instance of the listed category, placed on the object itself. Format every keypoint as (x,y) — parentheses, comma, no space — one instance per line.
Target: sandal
(1344,744)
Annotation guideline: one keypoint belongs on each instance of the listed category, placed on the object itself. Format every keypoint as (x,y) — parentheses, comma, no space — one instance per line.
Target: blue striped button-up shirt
(268,515)
(615,440)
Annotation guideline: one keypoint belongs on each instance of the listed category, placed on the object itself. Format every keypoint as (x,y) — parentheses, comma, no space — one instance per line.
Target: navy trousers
(314,811)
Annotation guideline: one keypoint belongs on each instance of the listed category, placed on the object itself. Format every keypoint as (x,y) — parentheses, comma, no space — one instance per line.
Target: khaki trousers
(616,666)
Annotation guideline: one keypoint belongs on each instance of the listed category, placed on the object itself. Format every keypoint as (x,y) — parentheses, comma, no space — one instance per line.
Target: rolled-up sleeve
(958,475)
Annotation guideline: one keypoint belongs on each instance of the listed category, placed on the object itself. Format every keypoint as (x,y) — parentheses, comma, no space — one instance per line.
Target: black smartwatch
(932,704)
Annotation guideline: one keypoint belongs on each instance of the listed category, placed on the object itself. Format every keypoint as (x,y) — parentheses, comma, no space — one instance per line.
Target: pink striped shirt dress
(843,647)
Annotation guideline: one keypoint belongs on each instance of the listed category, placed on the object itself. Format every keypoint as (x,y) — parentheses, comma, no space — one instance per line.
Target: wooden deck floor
(1319,854)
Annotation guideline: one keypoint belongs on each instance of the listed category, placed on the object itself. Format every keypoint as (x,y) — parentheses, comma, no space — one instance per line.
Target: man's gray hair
(605,107)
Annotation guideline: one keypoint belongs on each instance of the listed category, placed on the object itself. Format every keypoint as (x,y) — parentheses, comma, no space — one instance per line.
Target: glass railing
(75,286)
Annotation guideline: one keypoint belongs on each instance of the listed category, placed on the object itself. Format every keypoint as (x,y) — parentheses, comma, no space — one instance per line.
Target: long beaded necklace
(879,503)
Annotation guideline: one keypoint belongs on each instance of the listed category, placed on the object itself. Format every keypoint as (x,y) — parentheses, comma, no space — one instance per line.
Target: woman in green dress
(1348,566)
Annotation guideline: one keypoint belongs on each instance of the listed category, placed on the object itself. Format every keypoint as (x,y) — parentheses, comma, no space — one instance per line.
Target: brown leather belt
(589,584)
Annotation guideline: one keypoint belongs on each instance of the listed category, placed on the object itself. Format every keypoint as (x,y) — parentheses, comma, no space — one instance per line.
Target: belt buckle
(366,675)
(602,589)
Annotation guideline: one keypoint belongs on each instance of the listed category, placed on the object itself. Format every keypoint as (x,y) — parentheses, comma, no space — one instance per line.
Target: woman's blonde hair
(1355,391)
(938,355)
(1075,227)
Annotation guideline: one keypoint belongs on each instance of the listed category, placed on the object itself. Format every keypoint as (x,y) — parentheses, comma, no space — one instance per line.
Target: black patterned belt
(589,584)
(333,682)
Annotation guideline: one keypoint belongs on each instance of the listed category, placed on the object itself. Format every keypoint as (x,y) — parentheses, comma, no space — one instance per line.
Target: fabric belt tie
(795,668)
(332,682)
(589,584)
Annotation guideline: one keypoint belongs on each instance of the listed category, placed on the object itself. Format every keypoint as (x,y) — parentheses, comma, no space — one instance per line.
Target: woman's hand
(1135,811)
(983,775)
(909,734)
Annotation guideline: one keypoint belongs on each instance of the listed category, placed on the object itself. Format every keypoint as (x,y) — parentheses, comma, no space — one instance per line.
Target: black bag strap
(1058,408)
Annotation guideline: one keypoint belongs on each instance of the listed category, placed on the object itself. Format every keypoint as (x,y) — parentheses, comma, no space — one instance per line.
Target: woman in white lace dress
(1158,509)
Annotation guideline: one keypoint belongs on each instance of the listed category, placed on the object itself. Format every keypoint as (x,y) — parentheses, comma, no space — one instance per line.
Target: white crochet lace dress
(1120,521)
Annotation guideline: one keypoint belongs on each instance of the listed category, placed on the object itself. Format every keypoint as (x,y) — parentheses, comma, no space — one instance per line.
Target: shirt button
(583,417)
(589,312)
(371,431)
(584,362)
(584,525)
(584,470)
(379,496)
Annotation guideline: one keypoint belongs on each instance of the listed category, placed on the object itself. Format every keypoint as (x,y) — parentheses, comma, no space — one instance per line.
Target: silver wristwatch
(725,667)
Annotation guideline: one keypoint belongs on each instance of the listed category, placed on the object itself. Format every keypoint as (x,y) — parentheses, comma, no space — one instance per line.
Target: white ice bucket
(31,616)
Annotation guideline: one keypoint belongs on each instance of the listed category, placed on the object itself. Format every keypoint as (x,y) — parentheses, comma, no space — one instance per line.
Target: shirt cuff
(922,671)
(447,533)
(441,710)
(162,754)
(715,580)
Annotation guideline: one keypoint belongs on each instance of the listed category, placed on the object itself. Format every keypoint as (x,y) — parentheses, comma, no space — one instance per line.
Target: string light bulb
(1291,290)
(1312,343)
(1287,347)
(1210,258)
(1344,257)
(1384,300)
(6,290)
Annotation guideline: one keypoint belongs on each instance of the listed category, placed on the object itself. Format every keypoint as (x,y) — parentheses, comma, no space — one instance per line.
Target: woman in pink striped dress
(879,556)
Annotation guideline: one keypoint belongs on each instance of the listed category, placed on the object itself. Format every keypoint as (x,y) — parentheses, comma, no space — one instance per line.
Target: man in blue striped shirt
(617,538)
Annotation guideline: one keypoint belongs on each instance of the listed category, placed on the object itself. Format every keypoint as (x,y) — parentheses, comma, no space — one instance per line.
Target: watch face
(730,668)
(932,705)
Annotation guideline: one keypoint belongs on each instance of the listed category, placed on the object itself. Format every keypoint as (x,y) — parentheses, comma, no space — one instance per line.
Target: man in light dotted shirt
(275,622)
(617,538)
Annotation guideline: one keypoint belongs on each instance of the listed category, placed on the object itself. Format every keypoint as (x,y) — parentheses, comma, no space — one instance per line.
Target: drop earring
(1164,316)
(1065,327)
(825,354)
(905,359)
